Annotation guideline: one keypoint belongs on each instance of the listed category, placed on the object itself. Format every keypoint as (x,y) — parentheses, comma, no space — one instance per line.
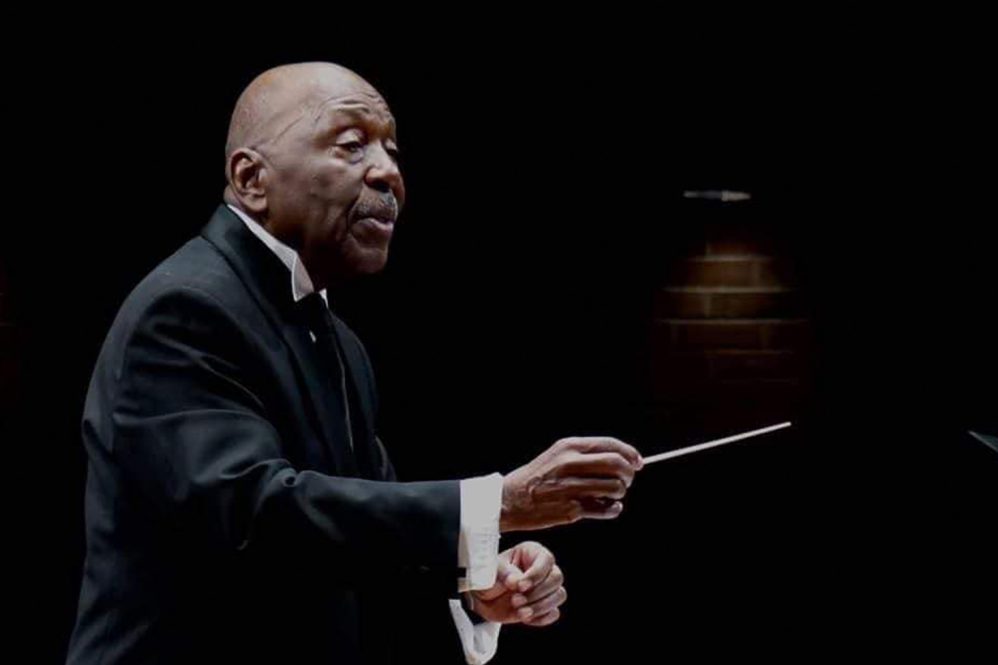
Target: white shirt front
(481,498)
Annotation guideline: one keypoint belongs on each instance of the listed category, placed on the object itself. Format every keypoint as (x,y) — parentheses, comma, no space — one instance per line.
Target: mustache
(383,206)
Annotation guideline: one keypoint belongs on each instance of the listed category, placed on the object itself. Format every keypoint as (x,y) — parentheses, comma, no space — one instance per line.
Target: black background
(545,172)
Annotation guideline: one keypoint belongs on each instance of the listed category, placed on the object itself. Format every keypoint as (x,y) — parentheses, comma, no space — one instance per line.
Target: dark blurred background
(557,271)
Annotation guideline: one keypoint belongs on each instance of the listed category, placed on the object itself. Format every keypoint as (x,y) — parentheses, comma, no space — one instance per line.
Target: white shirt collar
(301,282)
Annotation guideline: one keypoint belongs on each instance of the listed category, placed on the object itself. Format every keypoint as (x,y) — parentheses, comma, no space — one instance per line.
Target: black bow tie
(317,317)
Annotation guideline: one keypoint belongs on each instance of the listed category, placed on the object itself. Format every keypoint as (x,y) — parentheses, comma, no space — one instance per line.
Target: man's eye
(352,146)
(393,153)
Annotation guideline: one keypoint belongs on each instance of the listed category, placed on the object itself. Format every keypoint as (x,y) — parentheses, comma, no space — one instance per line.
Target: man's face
(336,181)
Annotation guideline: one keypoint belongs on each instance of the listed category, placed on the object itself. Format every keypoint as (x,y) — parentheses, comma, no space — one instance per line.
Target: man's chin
(371,262)
(357,260)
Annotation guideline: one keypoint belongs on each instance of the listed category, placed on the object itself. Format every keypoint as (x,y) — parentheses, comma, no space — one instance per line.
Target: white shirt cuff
(478,541)
(479,642)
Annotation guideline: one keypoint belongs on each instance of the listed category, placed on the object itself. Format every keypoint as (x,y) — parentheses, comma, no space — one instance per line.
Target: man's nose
(384,175)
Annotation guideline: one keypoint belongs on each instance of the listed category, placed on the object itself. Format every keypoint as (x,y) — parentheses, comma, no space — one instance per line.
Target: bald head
(278,99)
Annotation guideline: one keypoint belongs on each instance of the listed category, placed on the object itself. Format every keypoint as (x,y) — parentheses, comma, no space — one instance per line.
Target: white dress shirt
(481,498)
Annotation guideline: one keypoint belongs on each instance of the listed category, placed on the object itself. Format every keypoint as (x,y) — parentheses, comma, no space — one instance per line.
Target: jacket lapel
(269,281)
(363,410)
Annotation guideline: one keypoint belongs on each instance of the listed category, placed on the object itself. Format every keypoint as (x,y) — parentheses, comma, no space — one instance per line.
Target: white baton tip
(711,444)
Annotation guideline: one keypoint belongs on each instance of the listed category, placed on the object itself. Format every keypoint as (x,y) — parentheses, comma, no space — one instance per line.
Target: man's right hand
(576,478)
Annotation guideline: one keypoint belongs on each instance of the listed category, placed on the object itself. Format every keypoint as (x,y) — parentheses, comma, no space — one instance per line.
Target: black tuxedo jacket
(227,517)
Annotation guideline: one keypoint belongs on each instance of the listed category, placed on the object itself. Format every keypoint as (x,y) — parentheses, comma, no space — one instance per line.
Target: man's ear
(247,173)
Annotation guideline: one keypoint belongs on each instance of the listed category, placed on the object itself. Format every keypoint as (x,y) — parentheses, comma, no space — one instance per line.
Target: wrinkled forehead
(305,103)
(362,105)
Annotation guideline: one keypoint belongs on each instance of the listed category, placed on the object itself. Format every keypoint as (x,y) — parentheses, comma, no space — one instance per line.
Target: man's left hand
(529,588)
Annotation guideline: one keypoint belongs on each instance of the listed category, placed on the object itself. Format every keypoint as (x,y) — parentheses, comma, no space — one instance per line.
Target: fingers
(539,569)
(599,444)
(538,562)
(505,567)
(505,571)
(539,591)
(545,620)
(550,584)
(543,605)
(601,510)
(541,608)
(611,488)
(603,465)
